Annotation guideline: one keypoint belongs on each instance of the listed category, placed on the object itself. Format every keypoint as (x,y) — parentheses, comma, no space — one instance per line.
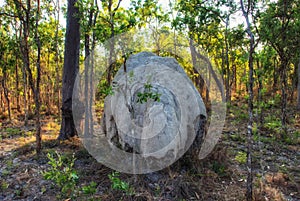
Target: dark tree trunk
(24,34)
(283,83)
(227,81)
(17,85)
(36,90)
(275,77)
(298,87)
(260,97)
(71,67)
(6,93)
(249,191)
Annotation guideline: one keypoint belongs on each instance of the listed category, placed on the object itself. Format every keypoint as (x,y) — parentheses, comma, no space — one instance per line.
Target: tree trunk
(260,97)
(71,67)
(298,87)
(283,79)
(111,43)
(249,192)
(227,81)
(37,87)
(57,90)
(6,94)
(24,47)
(275,77)
(17,86)
(196,55)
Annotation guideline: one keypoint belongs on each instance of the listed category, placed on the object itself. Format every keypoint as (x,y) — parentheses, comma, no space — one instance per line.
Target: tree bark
(227,81)
(36,90)
(57,77)
(249,192)
(17,86)
(70,70)
(6,93)
(298,87)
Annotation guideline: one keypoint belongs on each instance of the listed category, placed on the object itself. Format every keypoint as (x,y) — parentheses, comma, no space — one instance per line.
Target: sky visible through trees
(250,46)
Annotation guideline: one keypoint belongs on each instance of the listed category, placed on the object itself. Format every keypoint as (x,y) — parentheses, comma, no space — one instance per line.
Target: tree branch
(8,15)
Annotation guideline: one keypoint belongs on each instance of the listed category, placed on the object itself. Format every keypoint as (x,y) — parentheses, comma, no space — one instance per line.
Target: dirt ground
(221,176)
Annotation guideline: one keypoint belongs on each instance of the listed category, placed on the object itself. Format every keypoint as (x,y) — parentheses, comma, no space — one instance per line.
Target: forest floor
(221,176)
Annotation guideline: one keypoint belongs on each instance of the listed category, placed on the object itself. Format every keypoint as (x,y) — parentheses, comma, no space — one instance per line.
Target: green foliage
(4,185)
(103,89)
(143,97)
(273,123)
(241,157)
(293,138)
(219,168)
(90,189)
(12,131)
(62,173)
(118,184)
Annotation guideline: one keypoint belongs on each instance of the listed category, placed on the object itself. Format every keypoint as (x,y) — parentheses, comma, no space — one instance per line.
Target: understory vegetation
(66,170)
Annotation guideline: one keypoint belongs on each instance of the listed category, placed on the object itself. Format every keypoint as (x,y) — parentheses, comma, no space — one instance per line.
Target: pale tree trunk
(87,66)
(196,55)
(89,69)
(57,78)
(112,12)
(71,67)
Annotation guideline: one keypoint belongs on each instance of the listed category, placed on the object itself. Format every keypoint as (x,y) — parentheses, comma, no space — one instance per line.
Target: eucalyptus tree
(201,20)
(298,86)
(70,70)
(115,19)
(28,14)
(5,63)
(248,11)
(279,27)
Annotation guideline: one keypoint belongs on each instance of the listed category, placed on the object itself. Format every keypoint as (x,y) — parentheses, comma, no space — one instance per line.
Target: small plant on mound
(148,94)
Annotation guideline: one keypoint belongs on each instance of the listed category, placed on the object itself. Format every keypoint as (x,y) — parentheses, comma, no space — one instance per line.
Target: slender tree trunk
(260,97)
(199,82)
(17,85)
(37,87)
(111,43)
(227,81)
(196,56)
(71,67)
(249,192)
(1,101)
(283,83)
(57,78)
(24,34)
(275,77)
(112,11)
(92,69)
(6,93)
(298,87)
(87,66)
